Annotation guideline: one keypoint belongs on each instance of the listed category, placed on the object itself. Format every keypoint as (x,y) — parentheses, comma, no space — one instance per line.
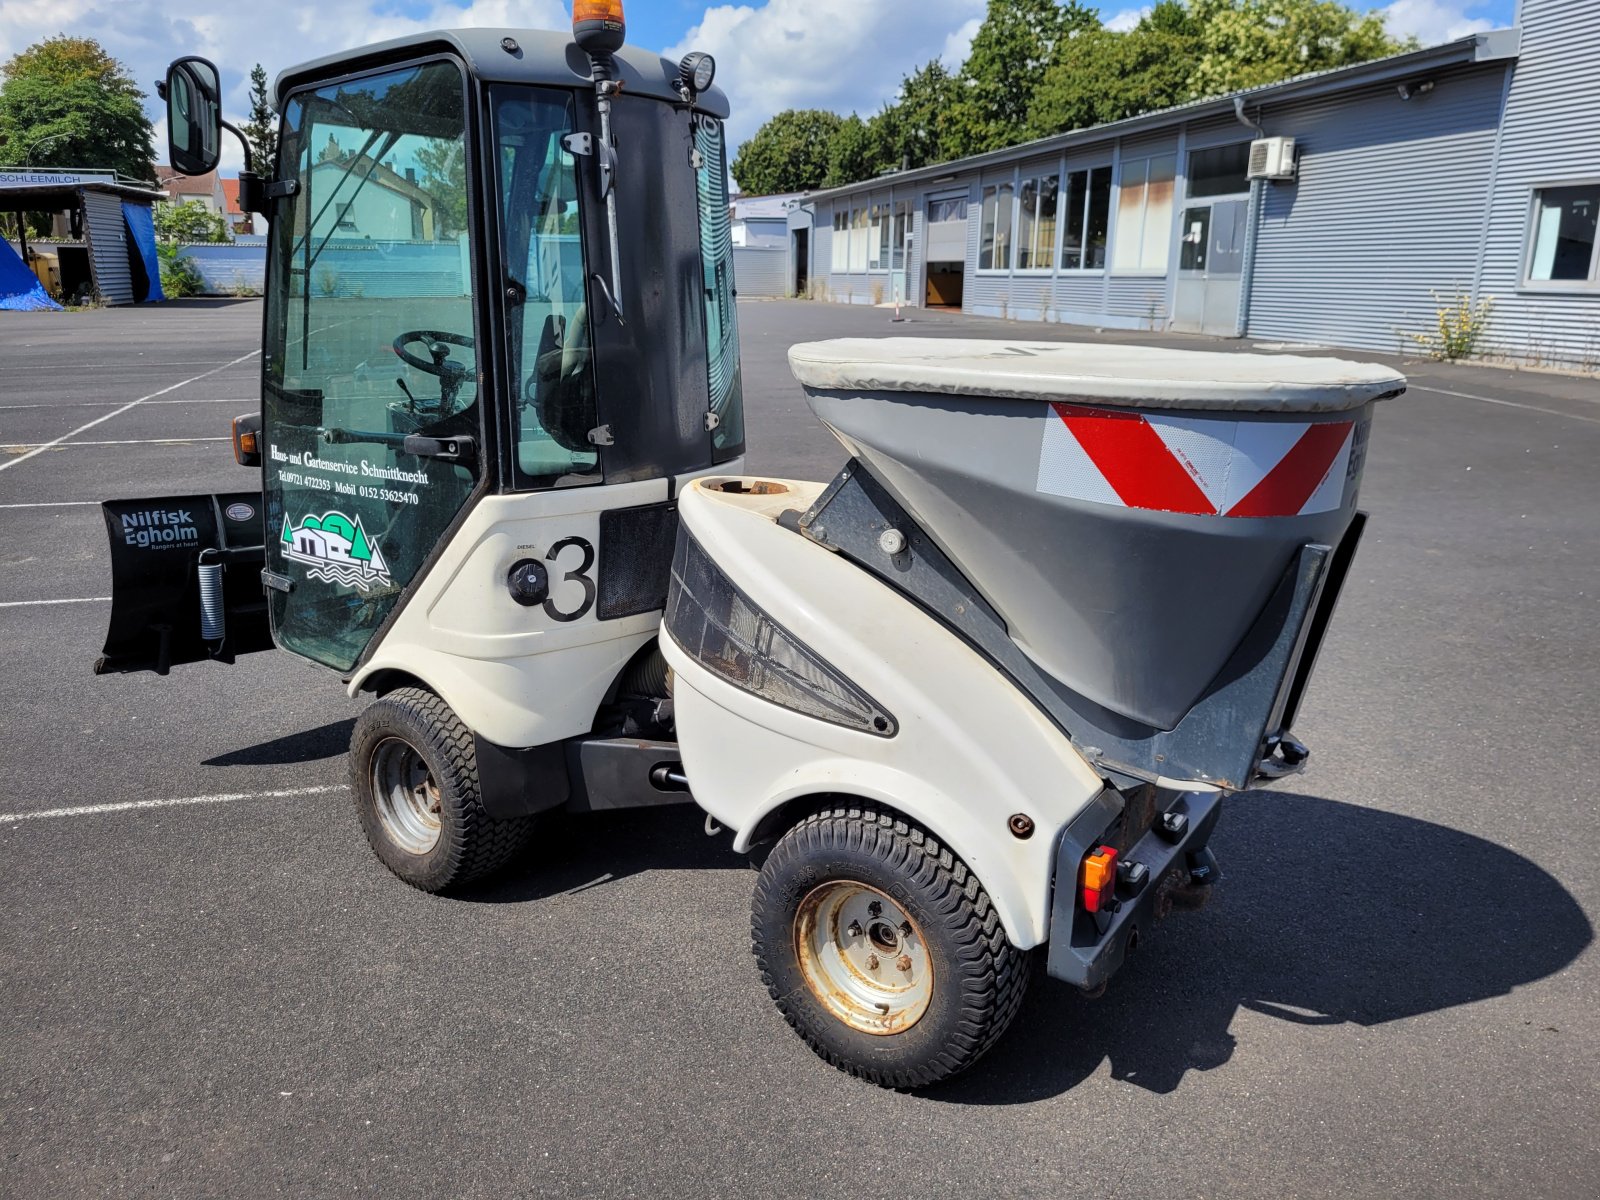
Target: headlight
(723,629)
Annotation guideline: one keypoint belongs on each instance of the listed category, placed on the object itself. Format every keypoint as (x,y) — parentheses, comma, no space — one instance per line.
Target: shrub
(1459,327)
(179,276)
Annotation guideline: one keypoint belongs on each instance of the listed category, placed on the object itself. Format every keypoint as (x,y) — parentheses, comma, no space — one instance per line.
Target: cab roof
(543,57)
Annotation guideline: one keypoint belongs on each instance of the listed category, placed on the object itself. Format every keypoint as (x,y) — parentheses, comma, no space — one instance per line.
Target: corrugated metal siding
(1389,205)
(1140,297)
(108,247)
(1550,136)
(229,270)
(761,270)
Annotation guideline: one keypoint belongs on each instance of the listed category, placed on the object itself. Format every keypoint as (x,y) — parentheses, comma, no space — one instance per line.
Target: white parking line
(110,403)
(1554,412)
(52,504)
(91,810)
(22,458)
(74,600)
(129,442)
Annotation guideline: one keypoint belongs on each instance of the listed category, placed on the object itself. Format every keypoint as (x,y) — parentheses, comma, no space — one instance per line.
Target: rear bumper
(1087,948)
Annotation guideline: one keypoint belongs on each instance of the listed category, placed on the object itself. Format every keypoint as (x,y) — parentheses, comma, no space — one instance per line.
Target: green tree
(787,154)
(66,102)
(911,131)
(1102,76)
(261,130)
(444,178)
(1011,52)
(1246,43)
(189,222)
(851,153)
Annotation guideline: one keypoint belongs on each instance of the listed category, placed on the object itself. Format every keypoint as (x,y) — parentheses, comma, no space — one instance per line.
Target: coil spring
(212,624)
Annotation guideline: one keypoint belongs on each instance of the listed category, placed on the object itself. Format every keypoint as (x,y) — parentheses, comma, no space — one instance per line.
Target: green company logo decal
(336,549)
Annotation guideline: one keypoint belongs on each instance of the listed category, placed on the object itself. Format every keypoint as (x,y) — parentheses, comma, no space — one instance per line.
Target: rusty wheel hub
(863,957)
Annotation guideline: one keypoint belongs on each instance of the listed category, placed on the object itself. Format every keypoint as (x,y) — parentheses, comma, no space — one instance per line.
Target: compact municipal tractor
(980,695)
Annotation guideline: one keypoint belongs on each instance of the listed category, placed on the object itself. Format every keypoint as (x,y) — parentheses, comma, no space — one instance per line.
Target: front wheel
(882,950)
(414,775)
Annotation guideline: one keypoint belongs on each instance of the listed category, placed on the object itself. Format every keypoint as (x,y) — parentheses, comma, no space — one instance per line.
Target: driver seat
(562,386)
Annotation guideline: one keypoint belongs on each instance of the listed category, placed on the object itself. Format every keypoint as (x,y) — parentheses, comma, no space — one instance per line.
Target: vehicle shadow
(1328,913)
(572,852)
(310,745)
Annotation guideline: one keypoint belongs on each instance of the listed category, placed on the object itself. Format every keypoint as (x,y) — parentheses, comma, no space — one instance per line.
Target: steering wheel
(438,344)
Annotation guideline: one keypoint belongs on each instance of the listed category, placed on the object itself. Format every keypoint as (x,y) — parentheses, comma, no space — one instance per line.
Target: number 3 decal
(581,575)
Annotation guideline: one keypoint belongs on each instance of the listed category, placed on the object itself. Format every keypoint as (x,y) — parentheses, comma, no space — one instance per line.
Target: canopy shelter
(114,219)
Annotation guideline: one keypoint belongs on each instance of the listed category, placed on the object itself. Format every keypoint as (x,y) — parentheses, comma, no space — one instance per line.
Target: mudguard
(158,549)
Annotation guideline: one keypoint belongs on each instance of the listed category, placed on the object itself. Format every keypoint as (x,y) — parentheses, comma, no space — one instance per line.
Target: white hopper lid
(1137,376)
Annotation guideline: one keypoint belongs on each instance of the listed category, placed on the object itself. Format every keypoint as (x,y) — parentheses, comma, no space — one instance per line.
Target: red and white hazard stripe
(1179,464)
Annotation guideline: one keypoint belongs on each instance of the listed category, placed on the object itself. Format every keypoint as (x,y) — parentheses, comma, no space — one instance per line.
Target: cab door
(373,439)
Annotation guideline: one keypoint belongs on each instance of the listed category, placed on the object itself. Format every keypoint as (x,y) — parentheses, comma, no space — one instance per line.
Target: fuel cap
(528,582)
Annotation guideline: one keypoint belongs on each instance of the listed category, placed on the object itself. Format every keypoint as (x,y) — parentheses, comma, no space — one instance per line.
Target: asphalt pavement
(1393,993)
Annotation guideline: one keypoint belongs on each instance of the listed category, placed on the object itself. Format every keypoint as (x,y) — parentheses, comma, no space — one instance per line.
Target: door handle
(455,449)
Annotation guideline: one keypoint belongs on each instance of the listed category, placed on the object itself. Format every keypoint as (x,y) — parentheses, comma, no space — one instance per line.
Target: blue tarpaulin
(142,231)
(20,289)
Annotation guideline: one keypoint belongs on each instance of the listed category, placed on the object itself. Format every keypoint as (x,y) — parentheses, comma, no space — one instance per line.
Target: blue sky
(772,54)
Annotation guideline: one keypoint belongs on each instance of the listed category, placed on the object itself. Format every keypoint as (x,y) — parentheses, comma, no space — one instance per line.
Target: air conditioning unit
(1272,158)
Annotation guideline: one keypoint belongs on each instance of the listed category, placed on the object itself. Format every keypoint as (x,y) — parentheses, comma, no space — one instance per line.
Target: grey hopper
(1047,473)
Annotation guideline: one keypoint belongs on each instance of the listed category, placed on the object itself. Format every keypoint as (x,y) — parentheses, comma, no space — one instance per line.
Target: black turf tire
(471,844)
(979,977)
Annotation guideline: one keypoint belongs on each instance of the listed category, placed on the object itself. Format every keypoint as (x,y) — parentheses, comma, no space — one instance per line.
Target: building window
(994,242)
(879,242)
(1144,214)
(1562,240)
(841,241)
(1219,171)
(858,238)
(947,210)
(1036,222)
(1083,241)
(901,235)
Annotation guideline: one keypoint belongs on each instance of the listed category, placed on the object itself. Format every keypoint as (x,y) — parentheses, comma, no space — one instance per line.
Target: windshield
(548,331)
(369,338)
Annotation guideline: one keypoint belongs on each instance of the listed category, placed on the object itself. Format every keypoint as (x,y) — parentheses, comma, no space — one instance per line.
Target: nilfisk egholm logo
(336,549)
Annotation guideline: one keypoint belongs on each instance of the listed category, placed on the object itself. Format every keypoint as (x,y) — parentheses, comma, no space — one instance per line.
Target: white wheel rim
(863,957)
(407,796)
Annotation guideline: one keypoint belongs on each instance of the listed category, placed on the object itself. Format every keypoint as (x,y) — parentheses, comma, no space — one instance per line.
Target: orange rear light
(1098,878)
(609,11)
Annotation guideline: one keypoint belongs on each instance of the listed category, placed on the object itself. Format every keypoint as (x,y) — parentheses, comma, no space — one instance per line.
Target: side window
(722,319)
(548,335)
(1563,238)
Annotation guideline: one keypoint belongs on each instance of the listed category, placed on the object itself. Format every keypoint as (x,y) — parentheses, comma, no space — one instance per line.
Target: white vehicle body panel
(516,675)
(970,750)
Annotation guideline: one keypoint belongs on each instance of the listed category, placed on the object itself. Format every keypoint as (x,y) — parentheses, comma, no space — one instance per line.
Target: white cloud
(959,44)
(1126,19)
(834,54)
(1432,21)
(147,34)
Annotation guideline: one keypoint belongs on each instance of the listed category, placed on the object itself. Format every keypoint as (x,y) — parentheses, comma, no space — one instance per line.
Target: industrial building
(1341,208)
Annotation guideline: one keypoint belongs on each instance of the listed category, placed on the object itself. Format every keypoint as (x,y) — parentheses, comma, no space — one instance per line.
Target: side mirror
(194,116)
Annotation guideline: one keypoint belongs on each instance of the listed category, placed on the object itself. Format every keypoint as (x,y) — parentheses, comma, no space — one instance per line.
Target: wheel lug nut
(903,962)
(875,908)
(872,962)
(854,929)
(905,928)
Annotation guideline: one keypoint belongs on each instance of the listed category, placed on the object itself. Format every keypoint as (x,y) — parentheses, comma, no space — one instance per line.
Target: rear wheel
(414,775)
(881,949)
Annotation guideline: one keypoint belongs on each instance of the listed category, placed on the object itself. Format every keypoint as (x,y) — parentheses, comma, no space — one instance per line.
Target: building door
(802,261)
(945,251)
(1210,267)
